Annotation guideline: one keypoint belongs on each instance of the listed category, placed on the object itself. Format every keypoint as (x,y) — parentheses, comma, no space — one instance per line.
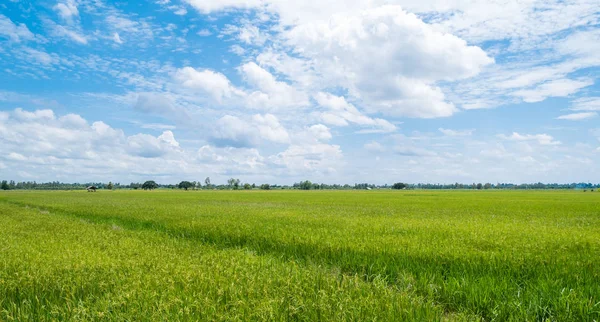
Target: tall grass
(491,255)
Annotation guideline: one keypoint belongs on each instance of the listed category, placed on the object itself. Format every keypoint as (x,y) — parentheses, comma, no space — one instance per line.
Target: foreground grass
(492,255)
(56,268)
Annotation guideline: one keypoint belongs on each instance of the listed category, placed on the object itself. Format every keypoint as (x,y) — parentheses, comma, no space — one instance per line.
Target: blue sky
(337,91)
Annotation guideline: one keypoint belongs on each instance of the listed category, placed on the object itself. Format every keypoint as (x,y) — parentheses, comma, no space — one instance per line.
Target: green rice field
(300,255)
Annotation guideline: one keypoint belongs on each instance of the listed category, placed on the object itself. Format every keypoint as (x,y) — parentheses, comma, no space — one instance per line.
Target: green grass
(298,255)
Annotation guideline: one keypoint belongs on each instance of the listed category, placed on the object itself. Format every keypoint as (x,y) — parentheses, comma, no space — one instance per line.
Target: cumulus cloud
(270,129)
(68,148)
(341,113)
(148,146)
(270,93)
(388,58)
(320,132)
(209,82)
(235,132)
(313,158)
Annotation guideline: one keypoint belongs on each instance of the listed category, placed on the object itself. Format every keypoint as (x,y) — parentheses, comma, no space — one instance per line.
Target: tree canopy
(399,185)
(149,185)
(185,185)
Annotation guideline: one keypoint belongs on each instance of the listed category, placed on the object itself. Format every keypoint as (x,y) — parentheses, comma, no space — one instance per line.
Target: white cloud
(38,143)
(270,129)
(232,160)
(169,138)
(23,115)
(41,57)
(148,146)
(237,49)
(16,157)
(586,104)
(578,116)
(62,31)
(271,94)
(556,88)
(212,83)
(246,33)
(121,23)
(204,33)
(320,132)
(235,132)
(340,113)
(208,6)
(180,11)
(449,132)
(388,58)
(157,126)
(543,139)
(73,121)
(374,147)
(67,9)
(117,38)
(313,158)
(14,32)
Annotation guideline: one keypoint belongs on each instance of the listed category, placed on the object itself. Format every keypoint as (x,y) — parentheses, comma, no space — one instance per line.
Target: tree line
(236,184)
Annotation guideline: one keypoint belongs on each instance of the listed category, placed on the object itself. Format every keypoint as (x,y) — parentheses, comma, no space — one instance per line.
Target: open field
(300,255)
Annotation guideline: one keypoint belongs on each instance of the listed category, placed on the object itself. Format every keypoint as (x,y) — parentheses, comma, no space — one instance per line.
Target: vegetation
(185,185)
(291,255)
(303,185)
(399,186)
(149,185)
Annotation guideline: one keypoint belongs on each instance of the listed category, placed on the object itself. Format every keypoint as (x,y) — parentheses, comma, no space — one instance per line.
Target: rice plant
(299,255)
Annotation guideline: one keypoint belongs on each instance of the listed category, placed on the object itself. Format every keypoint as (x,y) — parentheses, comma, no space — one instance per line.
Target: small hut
(91,189)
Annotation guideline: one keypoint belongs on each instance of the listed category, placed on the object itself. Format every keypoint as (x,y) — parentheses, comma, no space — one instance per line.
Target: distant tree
(4,185)
(185,185)
(265,186)
(233,183)
(305,185)
(247,186)
(149,185)
(487,186)
(109,186)
(399,186)
(135,186)
(479,186)
(207,182)
(253,185)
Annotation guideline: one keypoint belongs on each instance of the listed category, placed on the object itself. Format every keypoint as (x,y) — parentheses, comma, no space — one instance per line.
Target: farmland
(300,255)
